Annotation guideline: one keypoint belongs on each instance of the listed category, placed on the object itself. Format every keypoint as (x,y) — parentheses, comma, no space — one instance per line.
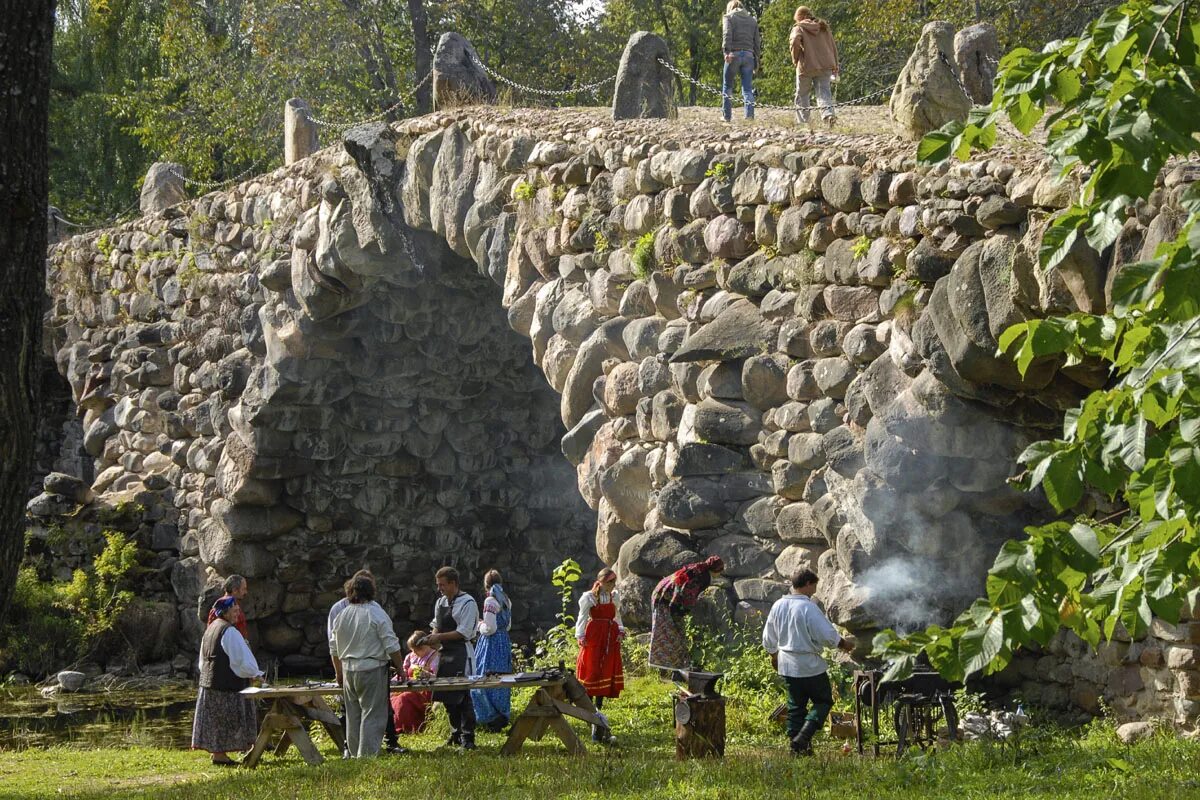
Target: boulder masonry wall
(774,347)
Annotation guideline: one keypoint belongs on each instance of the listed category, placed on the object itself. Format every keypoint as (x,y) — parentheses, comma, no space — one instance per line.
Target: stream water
(159,717)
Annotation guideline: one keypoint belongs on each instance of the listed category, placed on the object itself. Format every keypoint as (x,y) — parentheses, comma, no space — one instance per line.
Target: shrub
(643,256)
(559,642)
(54,623)
(601,243)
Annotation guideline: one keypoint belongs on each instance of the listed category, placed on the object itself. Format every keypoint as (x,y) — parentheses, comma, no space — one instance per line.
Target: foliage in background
(1121,100)
(559,642)
(54,623)
(204,83)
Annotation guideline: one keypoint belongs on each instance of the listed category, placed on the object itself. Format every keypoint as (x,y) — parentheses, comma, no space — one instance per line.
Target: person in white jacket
(795,634)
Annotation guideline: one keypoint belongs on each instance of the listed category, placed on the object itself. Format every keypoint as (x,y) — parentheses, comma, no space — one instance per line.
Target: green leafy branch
(1127,89)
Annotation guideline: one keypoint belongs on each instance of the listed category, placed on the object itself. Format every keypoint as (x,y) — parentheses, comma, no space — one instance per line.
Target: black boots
(802,741)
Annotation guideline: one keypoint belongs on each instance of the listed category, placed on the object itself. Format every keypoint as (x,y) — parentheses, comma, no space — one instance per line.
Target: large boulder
(459,78)
(737,332)
(162,188)
(977,56)
(645,89)
(928,94)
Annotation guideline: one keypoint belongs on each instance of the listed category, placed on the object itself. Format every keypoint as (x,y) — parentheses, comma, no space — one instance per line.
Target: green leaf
(938,145)
(1060,238)
(1025,114)
(1088,546)
(980,645)
(1067,85)
(1063,480)
(900,668)
(1115,55)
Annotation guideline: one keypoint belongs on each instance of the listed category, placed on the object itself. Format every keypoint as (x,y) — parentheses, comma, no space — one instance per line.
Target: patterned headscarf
(497,592)
(223,604)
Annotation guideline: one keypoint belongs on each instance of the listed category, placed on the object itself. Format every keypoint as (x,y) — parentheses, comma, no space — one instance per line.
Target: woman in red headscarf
(673,599)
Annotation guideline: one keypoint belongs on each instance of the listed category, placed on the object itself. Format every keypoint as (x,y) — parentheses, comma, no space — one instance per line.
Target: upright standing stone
(644,89)
(458,77)
(163,187)
(299,131)
(977,55)
(927,94)
(56,229)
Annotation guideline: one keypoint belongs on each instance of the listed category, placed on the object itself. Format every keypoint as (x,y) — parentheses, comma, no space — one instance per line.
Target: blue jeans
(742,64)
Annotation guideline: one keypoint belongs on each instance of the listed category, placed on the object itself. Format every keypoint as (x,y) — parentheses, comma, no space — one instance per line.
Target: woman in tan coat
(814,53)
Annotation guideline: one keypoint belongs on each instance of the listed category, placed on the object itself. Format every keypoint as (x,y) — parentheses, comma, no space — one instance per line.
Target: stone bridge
(502,338)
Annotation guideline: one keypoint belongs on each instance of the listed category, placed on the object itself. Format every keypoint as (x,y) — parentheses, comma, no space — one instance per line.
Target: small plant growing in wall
(720,172)
(558,193)
(600,242)
(524,190)
(104,245)
(770,251)
(189,272)
(643,256)
(860,247)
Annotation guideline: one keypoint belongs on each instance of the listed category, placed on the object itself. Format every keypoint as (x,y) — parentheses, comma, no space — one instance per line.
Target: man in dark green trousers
(796,633)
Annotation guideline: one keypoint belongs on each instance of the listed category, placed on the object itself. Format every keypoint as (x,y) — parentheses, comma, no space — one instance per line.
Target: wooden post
(699,727)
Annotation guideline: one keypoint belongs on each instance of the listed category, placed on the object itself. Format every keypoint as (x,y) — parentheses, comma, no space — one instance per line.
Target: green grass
(1047,763)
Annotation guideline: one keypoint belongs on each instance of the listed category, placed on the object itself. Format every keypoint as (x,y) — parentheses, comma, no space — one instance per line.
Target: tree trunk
(699,727)
(421,55)
(25,40)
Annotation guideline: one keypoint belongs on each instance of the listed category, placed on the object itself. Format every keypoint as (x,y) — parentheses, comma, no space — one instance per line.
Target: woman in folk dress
(493,655)
(600,631)
(225,720)
(673,599)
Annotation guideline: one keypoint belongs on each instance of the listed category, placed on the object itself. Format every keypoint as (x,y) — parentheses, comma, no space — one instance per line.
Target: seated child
(410,708)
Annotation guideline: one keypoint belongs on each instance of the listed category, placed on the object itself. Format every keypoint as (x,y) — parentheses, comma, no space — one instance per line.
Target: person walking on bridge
(814,52)
(742,43)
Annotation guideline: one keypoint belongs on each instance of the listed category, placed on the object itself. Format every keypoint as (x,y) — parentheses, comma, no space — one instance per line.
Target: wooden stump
(699,727)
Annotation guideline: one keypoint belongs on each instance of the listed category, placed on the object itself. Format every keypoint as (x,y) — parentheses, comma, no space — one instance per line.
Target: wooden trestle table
(294,708)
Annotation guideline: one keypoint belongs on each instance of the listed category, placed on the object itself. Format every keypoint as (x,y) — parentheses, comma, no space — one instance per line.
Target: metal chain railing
(759,104)
(954,74)
(224,181)
(108,223)
(591,87)
(404,100)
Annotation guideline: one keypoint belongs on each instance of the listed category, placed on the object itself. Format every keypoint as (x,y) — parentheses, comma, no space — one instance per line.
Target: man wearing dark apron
(455,617)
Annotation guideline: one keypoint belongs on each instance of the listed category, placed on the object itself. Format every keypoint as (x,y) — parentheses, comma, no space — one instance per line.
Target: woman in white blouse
(225,720)
(599,630)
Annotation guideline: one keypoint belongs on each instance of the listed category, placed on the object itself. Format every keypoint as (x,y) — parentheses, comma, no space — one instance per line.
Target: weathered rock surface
(927,94)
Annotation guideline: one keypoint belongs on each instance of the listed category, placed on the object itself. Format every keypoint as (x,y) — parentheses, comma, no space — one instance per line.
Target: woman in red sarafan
(599,631)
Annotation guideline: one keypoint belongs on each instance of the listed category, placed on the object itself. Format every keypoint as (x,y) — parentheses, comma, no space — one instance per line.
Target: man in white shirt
(390,737)
(455,619)
(363,644)
(796,633)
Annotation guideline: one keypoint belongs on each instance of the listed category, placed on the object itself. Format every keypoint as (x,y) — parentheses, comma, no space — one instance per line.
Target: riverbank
(1046,762)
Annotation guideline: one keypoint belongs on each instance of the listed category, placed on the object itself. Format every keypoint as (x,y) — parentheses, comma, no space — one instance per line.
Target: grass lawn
(1047,763)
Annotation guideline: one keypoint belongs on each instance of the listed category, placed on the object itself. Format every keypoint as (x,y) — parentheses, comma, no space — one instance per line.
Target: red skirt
(409,710)
(599,665)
